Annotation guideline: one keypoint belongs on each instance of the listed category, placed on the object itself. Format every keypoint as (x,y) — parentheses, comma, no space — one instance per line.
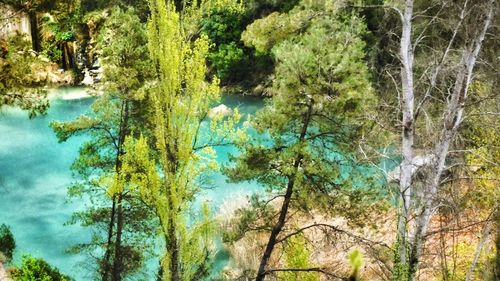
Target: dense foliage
(377,148)
(7,243)
(113,212)
(37,269)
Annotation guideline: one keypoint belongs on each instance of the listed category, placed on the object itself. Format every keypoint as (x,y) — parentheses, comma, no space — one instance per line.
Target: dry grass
(329,249)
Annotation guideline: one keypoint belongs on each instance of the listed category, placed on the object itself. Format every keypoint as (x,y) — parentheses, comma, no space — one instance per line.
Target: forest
(296,140)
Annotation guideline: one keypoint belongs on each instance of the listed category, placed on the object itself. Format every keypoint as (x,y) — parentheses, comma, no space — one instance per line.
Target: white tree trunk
(484,237)
(406,53)
(451,122)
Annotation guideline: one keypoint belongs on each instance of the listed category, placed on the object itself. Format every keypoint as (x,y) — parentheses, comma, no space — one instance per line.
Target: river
(35,173)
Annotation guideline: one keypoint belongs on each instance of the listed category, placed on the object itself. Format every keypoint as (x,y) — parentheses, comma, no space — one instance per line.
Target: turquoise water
(35,173)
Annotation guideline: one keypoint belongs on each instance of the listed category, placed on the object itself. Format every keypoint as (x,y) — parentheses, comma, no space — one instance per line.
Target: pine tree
(321,93)
(121,223)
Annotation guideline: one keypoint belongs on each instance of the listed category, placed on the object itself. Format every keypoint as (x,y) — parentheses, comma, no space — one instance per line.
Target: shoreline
(3,273)
(69,93)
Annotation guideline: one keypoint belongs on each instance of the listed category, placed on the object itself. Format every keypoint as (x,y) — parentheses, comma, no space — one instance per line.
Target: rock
(96,74)
(77,94)
(258,90)
(44,58)
(40,76)
(13,22)
(96,64)
(247,124)
(3,274)
(69,78)
(53,78)
(220,110)
(418,162)
(87,79)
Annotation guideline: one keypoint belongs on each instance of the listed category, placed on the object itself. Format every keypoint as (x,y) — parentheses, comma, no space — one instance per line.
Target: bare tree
(418,206)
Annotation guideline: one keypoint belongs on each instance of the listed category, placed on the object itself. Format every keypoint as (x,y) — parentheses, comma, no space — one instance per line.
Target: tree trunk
(107,254)
(110,271)
(286,202)
(405,189)
(497,243)
(451,123)
(118,258)
(278,226)
(171,239)
(173,248)
(484,237)
(35,38)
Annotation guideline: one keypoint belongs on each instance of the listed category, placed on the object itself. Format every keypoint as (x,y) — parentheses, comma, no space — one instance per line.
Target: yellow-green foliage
(460,259)
(356,262)
(19,77)
(235,6)
(180,99)
(264,33)
(296,257)
(37,269)
(487,142)
(483,153)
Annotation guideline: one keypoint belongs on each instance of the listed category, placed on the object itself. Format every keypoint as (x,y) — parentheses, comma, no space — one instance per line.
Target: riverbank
(35,173)
(69,93)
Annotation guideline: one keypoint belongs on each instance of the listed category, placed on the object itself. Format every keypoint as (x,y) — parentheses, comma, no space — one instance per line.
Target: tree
(444,65)
(18,83)
(223,23)
(122,228)
(314,120)
(453,116)
(180,100)
(7,242)
(37,269)
(481,131)
(297,256)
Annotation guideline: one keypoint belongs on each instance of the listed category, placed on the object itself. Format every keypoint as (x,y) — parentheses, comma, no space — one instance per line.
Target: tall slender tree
(115,212)
(455,61)
(180,99)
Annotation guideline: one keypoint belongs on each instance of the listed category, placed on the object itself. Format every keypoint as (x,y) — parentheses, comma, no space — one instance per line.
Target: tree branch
(313,269)
(334,228)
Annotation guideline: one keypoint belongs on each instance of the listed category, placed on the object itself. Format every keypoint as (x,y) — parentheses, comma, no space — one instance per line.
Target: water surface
(35,173)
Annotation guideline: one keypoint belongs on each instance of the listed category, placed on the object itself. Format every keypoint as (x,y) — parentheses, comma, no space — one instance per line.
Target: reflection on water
(35,173)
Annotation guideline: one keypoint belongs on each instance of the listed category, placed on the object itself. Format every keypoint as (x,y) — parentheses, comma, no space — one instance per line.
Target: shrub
(7,242)
(37,269)
(227,60)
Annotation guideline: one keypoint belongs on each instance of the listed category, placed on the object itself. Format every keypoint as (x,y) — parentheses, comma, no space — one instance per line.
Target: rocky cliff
(13,22)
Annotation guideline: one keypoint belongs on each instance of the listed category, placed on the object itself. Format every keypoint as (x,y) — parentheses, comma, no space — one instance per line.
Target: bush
(7,242)
(223,23)
(228,61)
(37,269)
